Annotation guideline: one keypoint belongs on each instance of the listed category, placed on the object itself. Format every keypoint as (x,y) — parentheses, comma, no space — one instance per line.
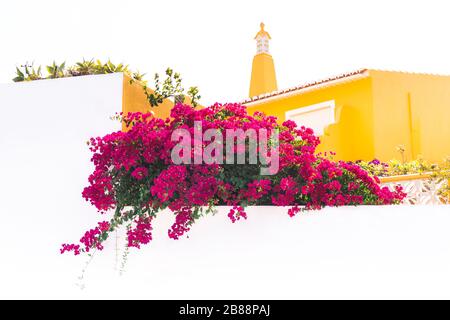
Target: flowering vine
(135,177)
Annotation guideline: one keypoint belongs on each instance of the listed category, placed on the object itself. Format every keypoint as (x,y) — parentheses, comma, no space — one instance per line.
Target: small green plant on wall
(82,68)
(56,70)
(170,88)
(28,72)
(398,168)
(443,174)
(110,67)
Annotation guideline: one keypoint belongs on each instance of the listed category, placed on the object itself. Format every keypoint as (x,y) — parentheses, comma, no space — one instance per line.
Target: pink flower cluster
(133,169)
(286,193)
(182,223)
(257,189)
(91,239)
(141,233)
(75,248)
(237,213)
(139,173)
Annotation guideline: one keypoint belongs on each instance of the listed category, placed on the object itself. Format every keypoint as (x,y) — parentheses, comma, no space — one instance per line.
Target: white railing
(420,188)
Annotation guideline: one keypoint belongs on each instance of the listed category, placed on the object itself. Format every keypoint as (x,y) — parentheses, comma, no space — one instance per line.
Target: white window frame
(292,114)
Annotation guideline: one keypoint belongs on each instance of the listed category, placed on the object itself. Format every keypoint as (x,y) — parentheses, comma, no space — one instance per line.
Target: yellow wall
(412,110)
(378,113)
(351,137)
(135,100)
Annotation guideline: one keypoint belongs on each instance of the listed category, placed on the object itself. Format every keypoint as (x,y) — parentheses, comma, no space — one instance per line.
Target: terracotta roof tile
(305,86)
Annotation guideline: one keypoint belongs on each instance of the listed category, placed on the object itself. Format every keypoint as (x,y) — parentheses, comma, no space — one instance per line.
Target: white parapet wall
(344,253)
(44,159)
(354,252)
(44,162)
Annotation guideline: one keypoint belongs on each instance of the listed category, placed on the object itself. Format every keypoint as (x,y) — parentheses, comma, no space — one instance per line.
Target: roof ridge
(304,86)
(411,73)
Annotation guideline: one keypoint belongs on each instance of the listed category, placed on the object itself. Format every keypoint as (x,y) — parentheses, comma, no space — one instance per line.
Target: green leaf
(20,73)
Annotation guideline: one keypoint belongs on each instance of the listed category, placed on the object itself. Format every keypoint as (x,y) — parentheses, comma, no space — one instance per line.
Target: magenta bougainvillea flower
(135,178)
(139,173)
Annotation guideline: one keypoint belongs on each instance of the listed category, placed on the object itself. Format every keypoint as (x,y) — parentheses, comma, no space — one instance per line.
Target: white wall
(347,253)
(365,252)
(44,164)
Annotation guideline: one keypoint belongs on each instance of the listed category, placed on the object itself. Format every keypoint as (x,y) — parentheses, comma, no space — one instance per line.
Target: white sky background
(211,42)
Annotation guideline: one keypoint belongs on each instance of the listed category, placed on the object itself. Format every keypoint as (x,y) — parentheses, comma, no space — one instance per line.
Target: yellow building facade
(363,115)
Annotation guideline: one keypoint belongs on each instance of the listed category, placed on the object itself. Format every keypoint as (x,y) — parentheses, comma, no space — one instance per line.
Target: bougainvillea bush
(135,179)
